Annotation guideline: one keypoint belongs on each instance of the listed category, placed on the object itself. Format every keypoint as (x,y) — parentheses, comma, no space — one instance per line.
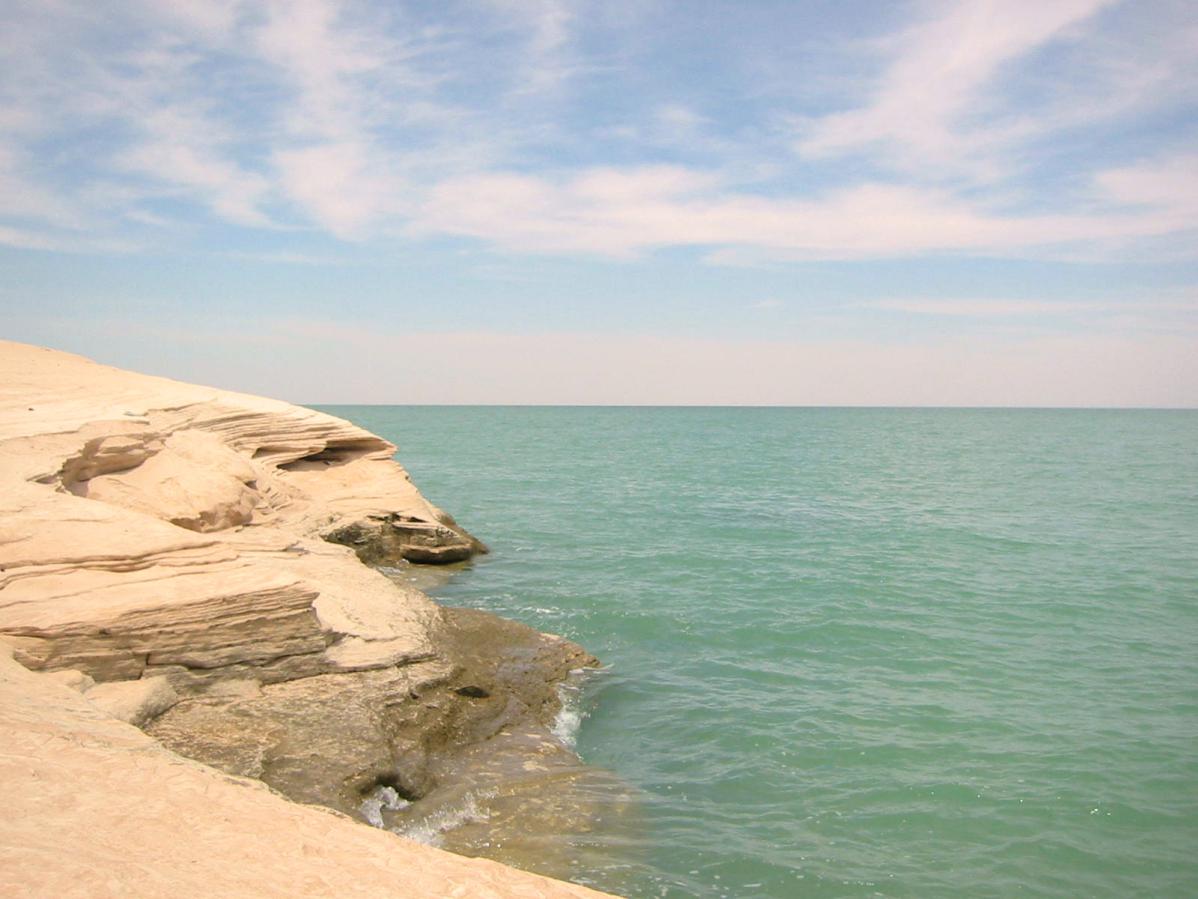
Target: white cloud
(973,308)
(58,242)
(924,111)
(345,126)
(1168,185)
(212,19)
(183,147)
(621,213)
(546,62)
(547,21)
(347,78)
(1112,315)
(322,56)
(338,186)
(25,239)
(679,119)
(25,199)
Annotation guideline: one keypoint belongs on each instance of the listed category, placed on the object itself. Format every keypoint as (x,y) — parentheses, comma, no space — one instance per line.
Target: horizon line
(997,408)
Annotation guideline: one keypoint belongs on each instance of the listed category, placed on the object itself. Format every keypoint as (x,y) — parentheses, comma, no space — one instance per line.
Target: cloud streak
(621,213)
(937,78)
(388,124)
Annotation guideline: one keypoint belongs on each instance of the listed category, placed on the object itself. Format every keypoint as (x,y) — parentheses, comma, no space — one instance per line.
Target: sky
(783,202)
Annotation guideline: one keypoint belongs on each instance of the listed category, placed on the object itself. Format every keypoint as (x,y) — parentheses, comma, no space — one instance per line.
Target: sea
(847,652)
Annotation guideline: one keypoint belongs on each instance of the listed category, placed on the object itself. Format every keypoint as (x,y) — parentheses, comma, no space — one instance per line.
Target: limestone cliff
(191,561)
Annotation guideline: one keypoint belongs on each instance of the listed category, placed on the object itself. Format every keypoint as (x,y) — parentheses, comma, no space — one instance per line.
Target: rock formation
(190,561)
(95,809)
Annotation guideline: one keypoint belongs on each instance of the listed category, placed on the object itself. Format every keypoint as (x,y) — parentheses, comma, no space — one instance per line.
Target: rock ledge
(189,560)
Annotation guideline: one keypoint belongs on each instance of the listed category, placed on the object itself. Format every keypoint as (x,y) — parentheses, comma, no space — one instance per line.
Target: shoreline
(171,553)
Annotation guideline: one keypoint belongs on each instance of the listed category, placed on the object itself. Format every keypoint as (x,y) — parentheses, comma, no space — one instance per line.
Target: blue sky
(991,203)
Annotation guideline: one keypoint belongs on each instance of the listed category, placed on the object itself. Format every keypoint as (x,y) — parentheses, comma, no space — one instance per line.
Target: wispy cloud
(974,308)
(924,111)
(26,200)
(396,122)
(284,257)
(547,27)
(27,240)
(1127,316)
(1167,185)
(184,148)
(625,212)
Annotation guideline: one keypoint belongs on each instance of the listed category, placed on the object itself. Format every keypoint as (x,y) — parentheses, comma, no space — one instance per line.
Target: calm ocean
(854,652)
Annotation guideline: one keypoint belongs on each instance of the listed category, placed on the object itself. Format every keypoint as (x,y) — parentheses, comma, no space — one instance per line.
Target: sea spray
(573,711)
(381,798)
(431,829)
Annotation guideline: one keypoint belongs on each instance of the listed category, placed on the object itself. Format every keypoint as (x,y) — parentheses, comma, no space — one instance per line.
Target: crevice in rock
(473,691)
(392,782)
(334,453)
(110,454)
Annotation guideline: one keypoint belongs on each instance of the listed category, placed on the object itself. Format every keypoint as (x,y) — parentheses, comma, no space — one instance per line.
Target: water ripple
(925,653)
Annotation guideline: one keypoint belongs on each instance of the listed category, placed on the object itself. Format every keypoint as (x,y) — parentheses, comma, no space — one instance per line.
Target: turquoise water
(854,652)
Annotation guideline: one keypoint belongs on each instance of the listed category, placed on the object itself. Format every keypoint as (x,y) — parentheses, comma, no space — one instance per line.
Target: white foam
(381,798)
(571,714)
(432,829)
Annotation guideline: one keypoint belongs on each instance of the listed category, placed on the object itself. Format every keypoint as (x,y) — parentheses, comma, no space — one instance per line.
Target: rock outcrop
(95,809)
(190,560)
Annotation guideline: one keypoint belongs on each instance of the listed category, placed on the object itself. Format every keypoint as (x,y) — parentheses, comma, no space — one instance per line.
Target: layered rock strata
(95,809)
(191,560)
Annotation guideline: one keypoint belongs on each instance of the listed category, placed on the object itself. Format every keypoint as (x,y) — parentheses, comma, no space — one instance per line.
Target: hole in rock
(391,782)
(473,691)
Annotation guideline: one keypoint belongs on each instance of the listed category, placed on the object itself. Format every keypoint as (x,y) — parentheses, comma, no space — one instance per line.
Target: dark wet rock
(332,738)
(473,692)
(392,539)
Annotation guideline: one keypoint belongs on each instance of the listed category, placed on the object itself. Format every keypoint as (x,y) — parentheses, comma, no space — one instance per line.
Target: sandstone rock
(96,809)
(177,545)
(135,701)
(151,527)
(191,479)
(331,739)
(69,677)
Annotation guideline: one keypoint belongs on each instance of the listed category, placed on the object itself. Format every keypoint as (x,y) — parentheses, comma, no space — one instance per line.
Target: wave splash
(572,713)
(381,798)
(432,829)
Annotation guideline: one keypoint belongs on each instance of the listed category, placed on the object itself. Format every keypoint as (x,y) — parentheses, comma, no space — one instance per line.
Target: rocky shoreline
(191,561)
(333,739)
